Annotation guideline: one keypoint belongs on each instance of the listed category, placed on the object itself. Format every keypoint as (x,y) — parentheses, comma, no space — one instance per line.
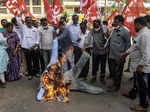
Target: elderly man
(119,42)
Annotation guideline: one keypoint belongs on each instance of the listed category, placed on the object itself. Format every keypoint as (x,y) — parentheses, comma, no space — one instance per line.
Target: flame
(53,83)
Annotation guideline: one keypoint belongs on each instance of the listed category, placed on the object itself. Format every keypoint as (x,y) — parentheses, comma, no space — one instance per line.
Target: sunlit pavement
(20,96)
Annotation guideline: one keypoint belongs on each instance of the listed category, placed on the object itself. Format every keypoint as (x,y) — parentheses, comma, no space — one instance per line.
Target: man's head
(61,25)
(83,27)
(118,20)
(63,19)
(96,24)
(35,23)
(4,22)
(9,27)
(43,22)
(148,21)
(28,21)
(75,19)
(139,23)
(14,21)
(105,23)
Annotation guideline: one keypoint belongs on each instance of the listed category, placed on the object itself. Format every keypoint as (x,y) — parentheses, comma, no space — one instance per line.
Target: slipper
(138,108)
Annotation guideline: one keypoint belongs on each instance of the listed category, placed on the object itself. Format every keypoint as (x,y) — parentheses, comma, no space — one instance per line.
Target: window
(36,2)
(50,1)
(3,10)
(27,2)
(76,10)
(36,10)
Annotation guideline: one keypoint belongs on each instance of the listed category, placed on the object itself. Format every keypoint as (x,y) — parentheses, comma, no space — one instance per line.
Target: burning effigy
(57,83)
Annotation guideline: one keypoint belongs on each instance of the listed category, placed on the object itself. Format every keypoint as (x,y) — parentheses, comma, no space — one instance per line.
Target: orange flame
(55,88)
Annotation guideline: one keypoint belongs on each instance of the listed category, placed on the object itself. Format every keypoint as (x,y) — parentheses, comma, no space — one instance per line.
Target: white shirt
(82,36)
(46,38)
(18,30)
(30,35)
(74,32)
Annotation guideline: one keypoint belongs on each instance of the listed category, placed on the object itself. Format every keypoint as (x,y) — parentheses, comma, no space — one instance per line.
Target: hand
(123,60)
(124,55)
(139,68)
(14,53)
(79,39)
(34,46)
(83,49)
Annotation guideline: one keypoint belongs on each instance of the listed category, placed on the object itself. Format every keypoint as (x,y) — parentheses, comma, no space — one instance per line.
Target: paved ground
(20,96)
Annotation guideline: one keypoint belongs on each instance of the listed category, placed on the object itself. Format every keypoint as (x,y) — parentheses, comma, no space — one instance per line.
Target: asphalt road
(20,96)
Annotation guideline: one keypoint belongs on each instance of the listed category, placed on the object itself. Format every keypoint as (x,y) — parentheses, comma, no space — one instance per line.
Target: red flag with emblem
(57,8)
(51,18)
(111,18)
(92,12)
(132,10)
(17,6)
(84,5)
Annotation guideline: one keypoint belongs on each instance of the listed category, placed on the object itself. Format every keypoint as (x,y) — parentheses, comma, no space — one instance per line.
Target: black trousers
(32,58)
(85,69)
(42,63)
(96,61)
(143,87)
(77,54)
(116,71)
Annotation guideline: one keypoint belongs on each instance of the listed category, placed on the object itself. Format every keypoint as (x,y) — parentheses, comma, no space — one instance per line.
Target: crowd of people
(29,45)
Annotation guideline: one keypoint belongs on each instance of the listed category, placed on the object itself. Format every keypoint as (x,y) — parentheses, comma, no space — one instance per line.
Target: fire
(53,84)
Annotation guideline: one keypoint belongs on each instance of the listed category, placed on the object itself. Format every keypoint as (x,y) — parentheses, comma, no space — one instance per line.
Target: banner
(17,6)
(132,10)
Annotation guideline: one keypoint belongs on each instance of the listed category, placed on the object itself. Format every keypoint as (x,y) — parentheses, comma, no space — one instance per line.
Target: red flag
(16,6)
(52,19)
(132,10)
(92,13)
(85,5)
(118,1)
(111,18)
(57,8)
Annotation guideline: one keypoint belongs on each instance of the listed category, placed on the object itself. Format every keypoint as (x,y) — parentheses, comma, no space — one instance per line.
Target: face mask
(97,29)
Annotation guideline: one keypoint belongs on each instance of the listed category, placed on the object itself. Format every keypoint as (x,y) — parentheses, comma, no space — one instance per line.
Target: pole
(119,7)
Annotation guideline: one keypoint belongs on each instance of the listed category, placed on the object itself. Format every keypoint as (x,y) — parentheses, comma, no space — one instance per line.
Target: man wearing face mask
(99,53)
(46,41)
(30,43)
(119,42)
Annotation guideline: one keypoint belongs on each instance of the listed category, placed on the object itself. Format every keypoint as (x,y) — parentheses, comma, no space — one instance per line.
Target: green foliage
(66,14)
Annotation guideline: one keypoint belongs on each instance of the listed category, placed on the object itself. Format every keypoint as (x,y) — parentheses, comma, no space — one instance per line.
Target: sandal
(138,108)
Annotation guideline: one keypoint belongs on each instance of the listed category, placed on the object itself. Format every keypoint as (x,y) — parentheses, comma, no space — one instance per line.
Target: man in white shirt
(30,43)
(46,41)
(18,30)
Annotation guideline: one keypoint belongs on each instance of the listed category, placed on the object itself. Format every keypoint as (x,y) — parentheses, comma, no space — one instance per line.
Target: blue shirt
(74,30)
